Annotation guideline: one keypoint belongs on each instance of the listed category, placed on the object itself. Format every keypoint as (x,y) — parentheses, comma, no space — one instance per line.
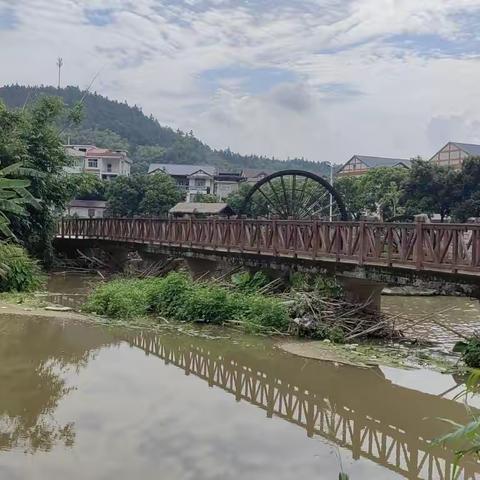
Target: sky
(320,79)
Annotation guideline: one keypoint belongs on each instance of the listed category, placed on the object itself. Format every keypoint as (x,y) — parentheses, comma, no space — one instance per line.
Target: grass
(177,297)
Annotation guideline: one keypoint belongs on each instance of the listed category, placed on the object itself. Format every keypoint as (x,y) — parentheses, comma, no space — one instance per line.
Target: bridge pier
(200,267)
(362,291)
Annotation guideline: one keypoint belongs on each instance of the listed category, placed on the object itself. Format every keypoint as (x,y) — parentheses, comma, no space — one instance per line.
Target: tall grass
(177,297)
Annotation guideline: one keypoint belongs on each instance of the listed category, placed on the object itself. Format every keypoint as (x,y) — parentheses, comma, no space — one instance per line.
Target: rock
(57,308)
(327,341)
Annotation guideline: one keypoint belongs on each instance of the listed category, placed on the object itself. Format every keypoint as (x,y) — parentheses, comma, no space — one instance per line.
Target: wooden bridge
(450,249)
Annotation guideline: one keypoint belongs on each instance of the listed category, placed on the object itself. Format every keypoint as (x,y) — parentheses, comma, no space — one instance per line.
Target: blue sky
(323,79)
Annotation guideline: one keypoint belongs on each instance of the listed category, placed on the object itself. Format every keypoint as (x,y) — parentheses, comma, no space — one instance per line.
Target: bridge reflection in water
(355,408)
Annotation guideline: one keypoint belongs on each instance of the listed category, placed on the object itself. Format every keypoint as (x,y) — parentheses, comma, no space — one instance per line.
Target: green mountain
(112,124)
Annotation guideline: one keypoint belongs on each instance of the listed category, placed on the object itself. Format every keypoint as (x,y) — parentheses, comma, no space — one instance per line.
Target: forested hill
(112,124)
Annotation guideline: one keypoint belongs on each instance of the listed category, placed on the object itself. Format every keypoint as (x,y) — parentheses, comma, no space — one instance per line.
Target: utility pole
(59,65)
(331,183)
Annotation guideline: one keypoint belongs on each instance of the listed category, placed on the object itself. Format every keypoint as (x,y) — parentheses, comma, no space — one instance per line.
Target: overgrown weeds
(176,297)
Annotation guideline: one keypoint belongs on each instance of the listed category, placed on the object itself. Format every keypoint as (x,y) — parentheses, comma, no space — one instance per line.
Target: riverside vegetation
(313,307)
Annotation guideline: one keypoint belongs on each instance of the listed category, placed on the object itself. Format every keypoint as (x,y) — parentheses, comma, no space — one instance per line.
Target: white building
(106,164)
(193,179)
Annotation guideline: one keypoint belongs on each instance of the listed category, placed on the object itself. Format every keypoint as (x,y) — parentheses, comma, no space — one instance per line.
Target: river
(85,401)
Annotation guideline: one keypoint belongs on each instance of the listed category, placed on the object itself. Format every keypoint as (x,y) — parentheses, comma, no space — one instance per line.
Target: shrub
(18,271)
(167,296)
(248,283)
(211,304)
(260,312)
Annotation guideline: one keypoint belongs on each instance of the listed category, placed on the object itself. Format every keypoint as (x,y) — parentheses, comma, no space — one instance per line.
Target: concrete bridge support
(362,291)
(200,267)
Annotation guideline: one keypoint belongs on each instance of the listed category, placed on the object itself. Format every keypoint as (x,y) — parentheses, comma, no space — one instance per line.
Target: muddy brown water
(83,401)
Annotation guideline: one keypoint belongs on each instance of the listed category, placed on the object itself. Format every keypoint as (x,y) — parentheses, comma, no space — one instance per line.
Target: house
(453,154)
(227,183)
(253,176)
(200,209)
(103,162)
(360,164)
(86,208)
(193,179)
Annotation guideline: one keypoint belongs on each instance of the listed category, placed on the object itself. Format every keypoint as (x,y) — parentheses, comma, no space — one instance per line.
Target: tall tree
(149,195)
(432,189)
(31,136)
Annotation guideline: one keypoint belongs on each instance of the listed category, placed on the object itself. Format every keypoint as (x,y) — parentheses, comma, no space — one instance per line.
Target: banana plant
(14,195)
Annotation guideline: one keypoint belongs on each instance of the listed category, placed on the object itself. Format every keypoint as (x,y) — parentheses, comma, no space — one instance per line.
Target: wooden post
(315,238)
(474,247)
(274,236)
(419,254)
(361,241)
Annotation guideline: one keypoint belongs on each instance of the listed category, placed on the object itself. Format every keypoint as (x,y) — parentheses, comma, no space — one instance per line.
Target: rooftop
(470,148)
(201,208)
(88,204)
(374,162)
(179,170)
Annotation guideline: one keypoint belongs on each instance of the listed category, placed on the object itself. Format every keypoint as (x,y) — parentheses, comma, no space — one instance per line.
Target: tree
(350,189)
(469,203)
(160,195)
(86,186)
(31,136)
(432,189)
(382,190)
(150,195)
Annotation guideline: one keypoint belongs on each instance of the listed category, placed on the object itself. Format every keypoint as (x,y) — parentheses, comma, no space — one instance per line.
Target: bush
(248,283)
(167,296)
(261,312)
(18,271)
(211,304)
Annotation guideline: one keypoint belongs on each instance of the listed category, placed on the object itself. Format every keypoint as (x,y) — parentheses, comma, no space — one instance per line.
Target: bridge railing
(444,247)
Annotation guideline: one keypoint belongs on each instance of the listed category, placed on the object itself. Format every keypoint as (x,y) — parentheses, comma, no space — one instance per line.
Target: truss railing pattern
(418,246)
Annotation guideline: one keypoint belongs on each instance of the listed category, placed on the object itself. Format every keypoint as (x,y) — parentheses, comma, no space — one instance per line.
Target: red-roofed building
(105,163)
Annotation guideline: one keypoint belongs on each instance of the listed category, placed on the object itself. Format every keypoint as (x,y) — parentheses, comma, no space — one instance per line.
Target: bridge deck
(447,248)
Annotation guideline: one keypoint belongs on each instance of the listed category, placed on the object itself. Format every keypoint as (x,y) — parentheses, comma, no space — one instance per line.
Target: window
(109,167)
(200,182)
(91,212)
(92,163)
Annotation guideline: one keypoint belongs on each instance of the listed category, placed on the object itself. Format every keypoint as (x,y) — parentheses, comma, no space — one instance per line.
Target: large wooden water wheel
(294,194)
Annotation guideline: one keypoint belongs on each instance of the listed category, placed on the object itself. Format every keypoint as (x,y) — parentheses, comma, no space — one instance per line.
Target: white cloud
(354,89)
